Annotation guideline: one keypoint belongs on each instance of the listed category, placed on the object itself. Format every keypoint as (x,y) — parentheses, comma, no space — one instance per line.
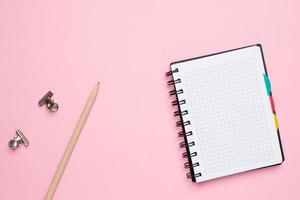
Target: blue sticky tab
(268,84)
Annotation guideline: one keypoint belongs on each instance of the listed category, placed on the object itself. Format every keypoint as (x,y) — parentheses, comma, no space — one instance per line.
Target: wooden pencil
(72,142)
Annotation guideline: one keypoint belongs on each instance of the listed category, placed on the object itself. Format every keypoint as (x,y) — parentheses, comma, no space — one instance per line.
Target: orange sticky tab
(276,121)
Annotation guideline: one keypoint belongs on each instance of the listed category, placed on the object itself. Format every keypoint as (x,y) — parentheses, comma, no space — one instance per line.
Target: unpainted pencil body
(72,142)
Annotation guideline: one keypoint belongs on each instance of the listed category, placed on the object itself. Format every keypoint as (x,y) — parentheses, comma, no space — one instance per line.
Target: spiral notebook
(226,112)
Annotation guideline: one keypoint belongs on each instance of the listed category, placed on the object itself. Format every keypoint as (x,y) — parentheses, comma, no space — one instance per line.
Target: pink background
(128,148)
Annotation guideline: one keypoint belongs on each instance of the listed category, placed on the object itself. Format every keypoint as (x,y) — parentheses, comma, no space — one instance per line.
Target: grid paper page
(223,95)
(230,116)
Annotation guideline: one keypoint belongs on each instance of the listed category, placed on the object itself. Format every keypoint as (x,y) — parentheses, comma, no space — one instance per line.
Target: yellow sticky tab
(276,121)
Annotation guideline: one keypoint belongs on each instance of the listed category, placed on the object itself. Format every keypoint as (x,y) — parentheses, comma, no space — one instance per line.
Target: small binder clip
(51,105)
(17,140)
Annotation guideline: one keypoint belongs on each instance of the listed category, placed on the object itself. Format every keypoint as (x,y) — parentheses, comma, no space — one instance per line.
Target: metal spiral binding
(186,155)
(182,134)
(187,165)
(181,123)
(176,103)
(190,175)
(169,73)
(177,113)
(173,92)
(184,144)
